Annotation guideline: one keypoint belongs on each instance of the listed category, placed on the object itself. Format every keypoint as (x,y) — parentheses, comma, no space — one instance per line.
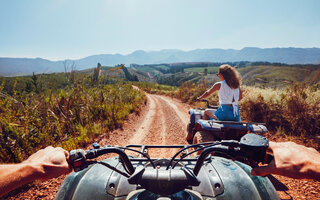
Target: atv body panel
(220,178)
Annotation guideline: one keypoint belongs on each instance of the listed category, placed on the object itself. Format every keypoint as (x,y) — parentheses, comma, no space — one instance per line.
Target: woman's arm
(207,93)
(42,165)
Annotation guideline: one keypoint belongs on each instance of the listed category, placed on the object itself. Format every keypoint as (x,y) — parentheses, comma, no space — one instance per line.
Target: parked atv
(200,130)
(181,178)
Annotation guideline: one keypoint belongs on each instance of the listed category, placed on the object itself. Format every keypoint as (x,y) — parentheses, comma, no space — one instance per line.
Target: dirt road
(162,121)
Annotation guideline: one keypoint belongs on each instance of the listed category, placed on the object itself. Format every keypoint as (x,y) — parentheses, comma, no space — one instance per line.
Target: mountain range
(26,66)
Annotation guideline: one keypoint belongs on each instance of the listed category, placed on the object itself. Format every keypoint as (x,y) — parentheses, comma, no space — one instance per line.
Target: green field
(279,75)
(145,69)
(211,69)
(162,67)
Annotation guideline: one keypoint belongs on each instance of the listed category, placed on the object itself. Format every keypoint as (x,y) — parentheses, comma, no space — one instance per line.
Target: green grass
(279,76)
(162,67)
(145,69)
(211,70)
(156,88)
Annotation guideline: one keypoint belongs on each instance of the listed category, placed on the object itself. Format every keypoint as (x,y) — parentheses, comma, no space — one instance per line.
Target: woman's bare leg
(207,115)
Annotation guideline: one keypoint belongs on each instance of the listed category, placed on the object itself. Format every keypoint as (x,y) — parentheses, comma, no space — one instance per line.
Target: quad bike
(181,177)
(200,130)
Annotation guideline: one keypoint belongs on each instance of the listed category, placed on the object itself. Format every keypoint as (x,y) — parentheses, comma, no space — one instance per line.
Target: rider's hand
(198,99)
(291,160)
(50,162)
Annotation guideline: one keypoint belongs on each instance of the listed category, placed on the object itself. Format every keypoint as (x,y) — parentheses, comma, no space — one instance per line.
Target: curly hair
(231,75)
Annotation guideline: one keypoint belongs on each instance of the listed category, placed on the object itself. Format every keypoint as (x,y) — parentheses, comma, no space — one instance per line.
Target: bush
(295,110)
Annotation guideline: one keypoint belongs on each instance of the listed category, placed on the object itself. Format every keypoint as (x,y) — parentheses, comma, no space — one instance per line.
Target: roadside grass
(154,88)
(294,110)
(69,117)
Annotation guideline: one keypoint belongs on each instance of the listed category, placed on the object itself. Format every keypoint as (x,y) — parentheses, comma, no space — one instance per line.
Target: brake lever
(77,159)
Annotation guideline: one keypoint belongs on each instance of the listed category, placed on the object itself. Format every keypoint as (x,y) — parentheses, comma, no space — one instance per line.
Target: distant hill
(253,73)
(24,66)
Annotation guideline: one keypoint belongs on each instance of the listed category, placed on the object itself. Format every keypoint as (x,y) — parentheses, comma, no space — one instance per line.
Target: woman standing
(229,95)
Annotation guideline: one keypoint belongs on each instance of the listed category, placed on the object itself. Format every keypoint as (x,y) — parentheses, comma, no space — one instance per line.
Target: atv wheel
(202,136)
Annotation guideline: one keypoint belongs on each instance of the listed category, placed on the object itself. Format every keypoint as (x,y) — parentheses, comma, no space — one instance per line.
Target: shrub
(294,110)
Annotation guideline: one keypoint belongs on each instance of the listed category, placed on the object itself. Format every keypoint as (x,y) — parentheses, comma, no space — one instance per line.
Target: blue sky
(60,29)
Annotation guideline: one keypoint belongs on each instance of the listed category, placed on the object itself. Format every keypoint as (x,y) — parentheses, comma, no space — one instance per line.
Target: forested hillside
(262,74)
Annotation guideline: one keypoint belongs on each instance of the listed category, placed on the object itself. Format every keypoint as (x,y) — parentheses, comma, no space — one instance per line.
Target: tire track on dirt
(175,127)
(157,131)
(182,112)
(169,128)
(146,124)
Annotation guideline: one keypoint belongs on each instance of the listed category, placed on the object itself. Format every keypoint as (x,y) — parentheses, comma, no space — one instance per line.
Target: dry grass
(70,117)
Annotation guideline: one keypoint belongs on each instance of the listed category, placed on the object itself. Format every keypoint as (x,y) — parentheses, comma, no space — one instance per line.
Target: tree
(128,75)
(28,87)
(69,70)
(96,74)
(205,71)
(35,82)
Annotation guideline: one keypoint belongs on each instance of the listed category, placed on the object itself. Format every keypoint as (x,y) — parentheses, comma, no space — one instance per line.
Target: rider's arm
(292,160)
(42,165)
(207,93)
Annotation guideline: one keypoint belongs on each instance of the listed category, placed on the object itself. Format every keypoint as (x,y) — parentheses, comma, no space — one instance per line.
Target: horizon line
(148,51)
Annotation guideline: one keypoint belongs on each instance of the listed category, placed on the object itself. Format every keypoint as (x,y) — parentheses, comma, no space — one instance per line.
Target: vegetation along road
(163,121)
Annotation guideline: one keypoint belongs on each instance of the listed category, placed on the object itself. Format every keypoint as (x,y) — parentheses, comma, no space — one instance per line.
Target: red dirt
(162,121)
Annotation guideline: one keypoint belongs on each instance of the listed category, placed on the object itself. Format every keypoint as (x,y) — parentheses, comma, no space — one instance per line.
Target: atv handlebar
(251,149)
(208,105)
(78,158)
